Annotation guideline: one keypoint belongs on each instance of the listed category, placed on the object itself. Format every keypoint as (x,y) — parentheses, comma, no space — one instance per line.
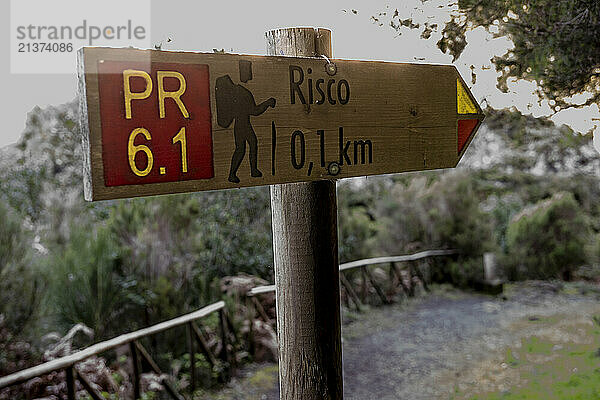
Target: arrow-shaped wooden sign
(158,122)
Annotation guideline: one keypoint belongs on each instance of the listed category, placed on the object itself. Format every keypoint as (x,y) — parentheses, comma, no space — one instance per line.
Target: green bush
(20,289)
(85,286)
(357,224)
(19,283)
(438,211)
(456,217)
(404,219)
(458,222)
(547,240)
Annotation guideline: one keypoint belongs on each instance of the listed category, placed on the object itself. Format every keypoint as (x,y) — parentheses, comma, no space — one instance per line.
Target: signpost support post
(304,218)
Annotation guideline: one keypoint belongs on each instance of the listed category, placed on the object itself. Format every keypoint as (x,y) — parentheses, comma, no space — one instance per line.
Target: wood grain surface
(305,251)
(376,118)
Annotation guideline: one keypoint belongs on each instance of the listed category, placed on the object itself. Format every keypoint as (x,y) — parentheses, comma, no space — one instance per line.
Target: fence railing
(406,283)
(139,355)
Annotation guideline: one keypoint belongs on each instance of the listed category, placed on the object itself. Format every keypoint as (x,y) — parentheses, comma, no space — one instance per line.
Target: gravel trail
(423,348)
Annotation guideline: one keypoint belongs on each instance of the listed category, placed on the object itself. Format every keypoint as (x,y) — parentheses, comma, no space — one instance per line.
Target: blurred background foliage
(547,240)
(526,190)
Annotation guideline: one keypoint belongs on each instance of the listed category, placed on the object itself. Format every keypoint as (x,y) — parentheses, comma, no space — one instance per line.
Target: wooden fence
(139,354)
(399,278)
(396,281)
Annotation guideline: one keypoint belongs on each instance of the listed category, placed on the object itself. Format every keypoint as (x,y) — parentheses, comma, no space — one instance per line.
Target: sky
(239,27)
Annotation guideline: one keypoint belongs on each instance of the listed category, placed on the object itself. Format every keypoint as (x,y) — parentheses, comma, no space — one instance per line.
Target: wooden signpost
(158,122)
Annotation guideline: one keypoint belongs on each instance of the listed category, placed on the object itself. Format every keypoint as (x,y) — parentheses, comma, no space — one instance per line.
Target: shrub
(456,218)
(84,284)
(457,222)
(404,218)
(356,220)
(18,281)
(19,293)
(547,240)
(442,213)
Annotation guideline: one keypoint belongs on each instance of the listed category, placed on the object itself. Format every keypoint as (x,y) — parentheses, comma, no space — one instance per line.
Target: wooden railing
(139,353)
(368,280)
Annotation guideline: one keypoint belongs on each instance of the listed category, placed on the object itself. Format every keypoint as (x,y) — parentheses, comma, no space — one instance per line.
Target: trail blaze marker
(158,122)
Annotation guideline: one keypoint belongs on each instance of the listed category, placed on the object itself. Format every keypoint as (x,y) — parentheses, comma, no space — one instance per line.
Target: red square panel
(167,154)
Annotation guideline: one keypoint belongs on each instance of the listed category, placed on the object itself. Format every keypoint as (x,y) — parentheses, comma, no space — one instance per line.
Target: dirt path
(428,347)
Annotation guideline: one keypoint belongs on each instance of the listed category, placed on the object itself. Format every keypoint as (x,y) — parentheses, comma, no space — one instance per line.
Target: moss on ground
(257,382)
(559,368)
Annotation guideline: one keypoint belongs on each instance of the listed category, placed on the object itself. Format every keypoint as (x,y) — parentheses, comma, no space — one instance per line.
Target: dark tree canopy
(557,42)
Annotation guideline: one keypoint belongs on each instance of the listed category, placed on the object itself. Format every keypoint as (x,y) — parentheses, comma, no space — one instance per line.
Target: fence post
(398,272)
(304,217)
(260,309)
(364,288)
(350,291)
(70,383)
(136,370)
(225,356)
(421,275)
(378,289)
(411,279)
(250,312)
(143,354)
(87,385)
(204,345)
(190,332)
(393,284)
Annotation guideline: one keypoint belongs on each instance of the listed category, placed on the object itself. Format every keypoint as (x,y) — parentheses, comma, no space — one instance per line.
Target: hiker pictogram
(236,102)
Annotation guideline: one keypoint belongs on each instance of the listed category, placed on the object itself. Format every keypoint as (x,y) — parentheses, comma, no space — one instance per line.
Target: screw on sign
(158,122)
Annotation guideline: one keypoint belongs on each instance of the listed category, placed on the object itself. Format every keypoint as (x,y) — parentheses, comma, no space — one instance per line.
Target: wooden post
(304,218)
(71,388)
(190,333)
(141,351)
(250,313)
(405,289)
(136,370)
(204,347)
(393,284)
(350,290)
(225,356)
(364,287)
(421,275)
(260,309)
(375,285)
(411,281)
(87,385)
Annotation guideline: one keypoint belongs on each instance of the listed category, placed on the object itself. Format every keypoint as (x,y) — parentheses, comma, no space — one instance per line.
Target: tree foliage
(555,42)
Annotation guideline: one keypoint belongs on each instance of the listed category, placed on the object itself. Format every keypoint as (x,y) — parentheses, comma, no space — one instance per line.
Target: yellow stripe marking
(464,102)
